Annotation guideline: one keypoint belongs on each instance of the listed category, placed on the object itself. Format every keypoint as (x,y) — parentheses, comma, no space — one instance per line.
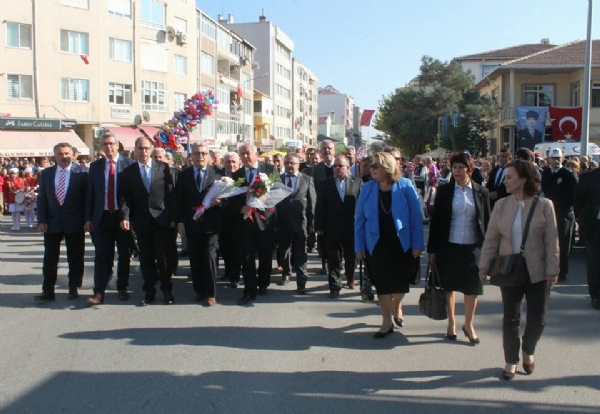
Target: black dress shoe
(596,303)
(379,335)
(233,285)
(473,341)
(73,294)
(147,300)
(507,376)
(399,322)
(284,281)
(301,290)
(169,298)
(245,300)
(123,295)
(262,291)
(45,297)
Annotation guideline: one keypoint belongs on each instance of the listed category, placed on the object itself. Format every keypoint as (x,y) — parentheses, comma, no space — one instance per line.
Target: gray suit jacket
(297,211)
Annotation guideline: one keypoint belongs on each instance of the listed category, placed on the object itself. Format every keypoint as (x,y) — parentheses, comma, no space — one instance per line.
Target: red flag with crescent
(566,123)
(365,119)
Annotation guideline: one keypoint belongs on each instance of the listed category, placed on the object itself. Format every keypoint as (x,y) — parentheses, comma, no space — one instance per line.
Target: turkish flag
(239,91)
(566,123)
(365,119)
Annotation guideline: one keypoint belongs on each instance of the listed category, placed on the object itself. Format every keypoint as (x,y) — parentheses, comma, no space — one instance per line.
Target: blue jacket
(406,211)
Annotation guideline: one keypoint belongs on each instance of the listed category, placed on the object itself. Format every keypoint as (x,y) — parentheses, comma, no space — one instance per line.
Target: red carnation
(257,179)
(259,191)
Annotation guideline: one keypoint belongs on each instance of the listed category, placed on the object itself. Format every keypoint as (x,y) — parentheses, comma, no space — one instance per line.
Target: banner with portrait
(531,125)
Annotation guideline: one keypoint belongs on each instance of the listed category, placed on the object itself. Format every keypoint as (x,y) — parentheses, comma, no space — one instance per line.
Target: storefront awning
(150,131)
(126,136)
(37,143)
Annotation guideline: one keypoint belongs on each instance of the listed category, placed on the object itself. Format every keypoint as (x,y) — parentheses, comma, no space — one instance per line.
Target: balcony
(508,114)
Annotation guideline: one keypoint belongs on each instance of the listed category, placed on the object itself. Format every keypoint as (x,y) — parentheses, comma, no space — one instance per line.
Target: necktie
(499,177)
(111,186)
(289,183)
(61,190)
(251,176)
(145,177)
(201,175)
(198,179)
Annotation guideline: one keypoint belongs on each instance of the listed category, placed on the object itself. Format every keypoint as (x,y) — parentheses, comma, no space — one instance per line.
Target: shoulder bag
(511,269)
(366,289)
(432,302)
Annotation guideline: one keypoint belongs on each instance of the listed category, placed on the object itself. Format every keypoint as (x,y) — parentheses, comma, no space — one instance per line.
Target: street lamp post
(587,85)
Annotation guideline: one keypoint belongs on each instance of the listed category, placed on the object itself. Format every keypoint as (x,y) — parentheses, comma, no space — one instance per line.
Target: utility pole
(587,85)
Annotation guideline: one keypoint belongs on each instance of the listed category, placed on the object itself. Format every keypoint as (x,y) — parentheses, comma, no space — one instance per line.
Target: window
(73,42)
(18,35)
(595,98)
(180,25)
(153,14)
(223,37)
(281,70)
(258,107)
(81,4)
(283,51)
(179,100)
(207,63)
(575,93)
(282,91)
(209,28)
(76,90)
(119,50)
(119,94)
(223,97)
(487,69)
(154,56)
(207,127)
(181,65)
(154,96)
(19,86)
(222,124)
(281,132)
(246,80)
(121,8)
(247,104)
(538,95)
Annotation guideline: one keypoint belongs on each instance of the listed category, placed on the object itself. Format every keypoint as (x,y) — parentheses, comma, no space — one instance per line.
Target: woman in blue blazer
(388,234)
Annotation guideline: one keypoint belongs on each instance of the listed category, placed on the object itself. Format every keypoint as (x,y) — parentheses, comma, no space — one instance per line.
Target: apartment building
(122,65)
(339,105)
(305,106)
(273,72)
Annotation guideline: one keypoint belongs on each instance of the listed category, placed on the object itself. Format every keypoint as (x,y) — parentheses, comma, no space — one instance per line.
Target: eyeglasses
(290,163)
(143,148)
(110,144)
(204,154)
(375,166)
(339,165)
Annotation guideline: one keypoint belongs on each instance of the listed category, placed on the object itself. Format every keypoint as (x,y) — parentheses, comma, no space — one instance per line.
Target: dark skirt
(459,270)
(390,267)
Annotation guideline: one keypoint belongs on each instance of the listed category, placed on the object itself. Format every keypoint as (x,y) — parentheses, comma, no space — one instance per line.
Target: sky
(367,49)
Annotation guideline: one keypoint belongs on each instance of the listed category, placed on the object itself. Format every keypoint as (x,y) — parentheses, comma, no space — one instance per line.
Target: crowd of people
(370,210)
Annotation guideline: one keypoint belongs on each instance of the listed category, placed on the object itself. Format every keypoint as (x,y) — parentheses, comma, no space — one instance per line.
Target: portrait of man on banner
(531,123)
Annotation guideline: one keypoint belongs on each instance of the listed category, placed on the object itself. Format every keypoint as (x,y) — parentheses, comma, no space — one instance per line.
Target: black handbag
(511,269)
(366,289)
(432,302)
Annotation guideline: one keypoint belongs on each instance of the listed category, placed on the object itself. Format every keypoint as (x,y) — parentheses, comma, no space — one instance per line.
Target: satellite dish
(171,33)
(146,116)
(137,120)
(256,66)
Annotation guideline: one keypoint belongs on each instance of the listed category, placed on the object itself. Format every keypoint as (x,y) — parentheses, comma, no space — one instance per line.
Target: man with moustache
(60,213)
(495,183)
(278,163)
(334,220)
(229,239)
(148,207)
(202,234)
(320,172)
(102,219)
(295,217)
(257,232)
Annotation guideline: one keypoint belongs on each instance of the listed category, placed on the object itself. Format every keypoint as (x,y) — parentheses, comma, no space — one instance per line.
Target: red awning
(37,143)
(126,136)
(150,131)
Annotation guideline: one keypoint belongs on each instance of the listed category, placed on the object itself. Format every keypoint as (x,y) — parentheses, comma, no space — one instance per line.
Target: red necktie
(111,186)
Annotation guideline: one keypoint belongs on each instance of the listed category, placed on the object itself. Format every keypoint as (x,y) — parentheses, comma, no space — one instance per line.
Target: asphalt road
(285,354)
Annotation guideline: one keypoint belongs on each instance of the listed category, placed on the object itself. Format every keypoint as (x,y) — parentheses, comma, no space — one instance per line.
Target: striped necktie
(61,190)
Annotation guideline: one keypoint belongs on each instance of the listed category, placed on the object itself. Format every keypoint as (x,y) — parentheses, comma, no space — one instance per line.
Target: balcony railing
(508,114)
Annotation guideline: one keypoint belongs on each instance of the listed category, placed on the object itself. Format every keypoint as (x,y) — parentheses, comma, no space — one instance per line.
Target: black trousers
(203,249)
(292,247)
(105,237)
(336,248)
(75,244)
(536,295)
(322,250)
(592,258)
(153,242)
(230,250)
(311,240)
(262,242)
(565,224)
(172,254)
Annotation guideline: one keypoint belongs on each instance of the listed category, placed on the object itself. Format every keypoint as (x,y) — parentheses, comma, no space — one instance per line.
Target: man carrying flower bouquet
(256,228)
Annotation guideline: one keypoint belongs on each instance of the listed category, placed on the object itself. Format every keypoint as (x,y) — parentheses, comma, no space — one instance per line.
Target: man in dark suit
(60,212)
(147,207)
(320,172)
(334,219)
(229,239)
(495,184)
(102,219)
(295,217)
(558,185)
(257,231)
(202,234)
(530,136)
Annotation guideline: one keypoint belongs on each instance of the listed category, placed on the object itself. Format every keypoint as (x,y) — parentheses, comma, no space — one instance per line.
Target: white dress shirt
(67,178)
(106,173)
(516,233)
(341,187)
(463,226)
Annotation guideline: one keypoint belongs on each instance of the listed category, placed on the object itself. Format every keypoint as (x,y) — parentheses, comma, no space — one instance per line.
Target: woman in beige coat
(503,237)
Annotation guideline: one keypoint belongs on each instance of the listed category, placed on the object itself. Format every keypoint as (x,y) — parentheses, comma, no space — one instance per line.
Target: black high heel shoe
(473,341)
(379,335)
(399,322)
